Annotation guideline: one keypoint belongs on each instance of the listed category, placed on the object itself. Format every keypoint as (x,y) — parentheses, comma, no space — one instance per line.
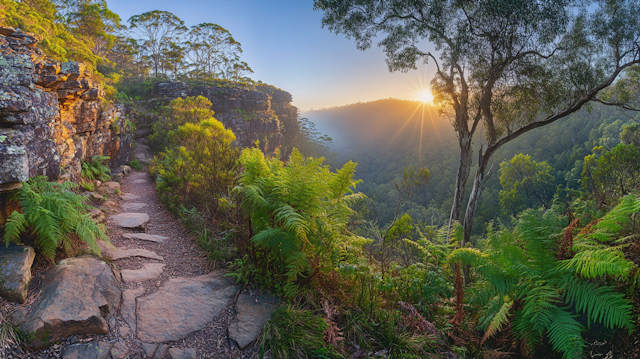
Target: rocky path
(173,306)
(151,296)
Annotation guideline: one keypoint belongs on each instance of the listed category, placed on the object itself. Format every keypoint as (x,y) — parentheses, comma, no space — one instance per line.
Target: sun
(425,96)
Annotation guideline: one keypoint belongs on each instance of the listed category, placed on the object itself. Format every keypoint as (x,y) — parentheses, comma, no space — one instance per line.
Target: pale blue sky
(285,45)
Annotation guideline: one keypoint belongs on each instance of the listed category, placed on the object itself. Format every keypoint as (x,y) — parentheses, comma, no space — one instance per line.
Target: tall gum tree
(504,67)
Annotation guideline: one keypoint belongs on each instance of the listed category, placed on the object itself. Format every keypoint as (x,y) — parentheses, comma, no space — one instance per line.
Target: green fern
(521,265)
(299,211)
(96,169)
(51,211)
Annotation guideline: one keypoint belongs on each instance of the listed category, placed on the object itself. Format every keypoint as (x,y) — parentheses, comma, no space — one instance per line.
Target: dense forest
(386,136)
(501,221)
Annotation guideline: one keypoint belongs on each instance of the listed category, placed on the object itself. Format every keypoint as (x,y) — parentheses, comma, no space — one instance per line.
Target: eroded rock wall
(52,115)
(263,114)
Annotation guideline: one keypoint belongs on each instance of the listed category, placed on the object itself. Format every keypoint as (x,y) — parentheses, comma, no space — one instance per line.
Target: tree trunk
(461,178)
(479,183)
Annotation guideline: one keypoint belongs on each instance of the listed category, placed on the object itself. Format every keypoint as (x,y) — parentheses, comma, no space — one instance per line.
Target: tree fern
(51,212)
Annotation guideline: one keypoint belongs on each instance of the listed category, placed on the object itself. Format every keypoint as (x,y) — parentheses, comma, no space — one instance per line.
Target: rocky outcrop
(15,272)
(77,296)
(262,113)
(52,115)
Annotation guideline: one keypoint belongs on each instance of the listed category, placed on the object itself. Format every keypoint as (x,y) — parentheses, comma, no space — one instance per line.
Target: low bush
(96,169)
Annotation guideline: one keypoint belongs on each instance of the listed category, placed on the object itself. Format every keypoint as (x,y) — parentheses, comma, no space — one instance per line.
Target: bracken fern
(52,211)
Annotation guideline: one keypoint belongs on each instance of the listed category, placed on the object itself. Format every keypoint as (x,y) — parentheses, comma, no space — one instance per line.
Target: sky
(285,45)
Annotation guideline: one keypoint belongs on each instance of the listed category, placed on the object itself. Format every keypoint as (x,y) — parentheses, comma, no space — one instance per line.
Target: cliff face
(51,115)
(264,114)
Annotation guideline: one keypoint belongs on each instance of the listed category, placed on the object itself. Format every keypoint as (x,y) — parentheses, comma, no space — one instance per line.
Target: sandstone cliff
(52,116)
(263,113)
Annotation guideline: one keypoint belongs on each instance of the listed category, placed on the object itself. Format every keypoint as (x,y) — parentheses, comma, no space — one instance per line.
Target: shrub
(180,112)
(51,213)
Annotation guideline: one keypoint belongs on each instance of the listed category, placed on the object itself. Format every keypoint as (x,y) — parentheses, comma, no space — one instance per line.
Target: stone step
(132,207)
(131,220)
(109,251)
(129,196)
(146,237)
(147,272)
(252,312)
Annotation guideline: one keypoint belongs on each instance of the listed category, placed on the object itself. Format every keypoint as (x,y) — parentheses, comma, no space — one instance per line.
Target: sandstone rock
(146,237)
(149,349)
(149,271)
(91,350)
(129,197)
(252,312)
(131,220)
(140,181)
(119,350)
(94,196)
(128,310)
(111,187)
(98,215)
(52,111)
(134,252)
(77,295)
(15,272)
(182,306)
(124,331)
(131,207)
(109,205)
(161,351)
(183,353)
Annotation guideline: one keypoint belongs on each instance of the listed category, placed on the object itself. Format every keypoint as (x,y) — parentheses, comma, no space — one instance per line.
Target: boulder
(97,215)
(252,312)
(136,221)
(91,350)
(15,272)
(182,306)
(77,295)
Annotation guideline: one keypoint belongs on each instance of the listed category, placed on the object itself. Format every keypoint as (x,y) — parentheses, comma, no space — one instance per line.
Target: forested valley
(499,220)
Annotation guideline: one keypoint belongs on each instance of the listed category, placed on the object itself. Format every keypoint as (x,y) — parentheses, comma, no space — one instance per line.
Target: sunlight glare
(425,96)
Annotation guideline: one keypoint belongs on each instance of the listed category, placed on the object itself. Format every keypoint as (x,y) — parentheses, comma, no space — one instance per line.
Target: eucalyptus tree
(157,28)
(209,45)
(503,67)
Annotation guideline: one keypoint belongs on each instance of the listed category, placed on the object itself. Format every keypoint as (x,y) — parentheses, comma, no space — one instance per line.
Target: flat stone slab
(183,353)
(141,180)
(182,306)
(91,350)
(146,237)
(76,297)
(109,251)
(119,350)
(147,272)
(15,272)
(130,220)
(129,196)
(131,207)
(252,312)
(120,253)
(128,308)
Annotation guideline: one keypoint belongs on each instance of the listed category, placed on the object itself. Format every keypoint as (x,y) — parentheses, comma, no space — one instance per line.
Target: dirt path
(182,258)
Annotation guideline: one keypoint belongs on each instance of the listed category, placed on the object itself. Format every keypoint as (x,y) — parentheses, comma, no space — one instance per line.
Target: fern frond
(565,334)
(16,225)
(499,320)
